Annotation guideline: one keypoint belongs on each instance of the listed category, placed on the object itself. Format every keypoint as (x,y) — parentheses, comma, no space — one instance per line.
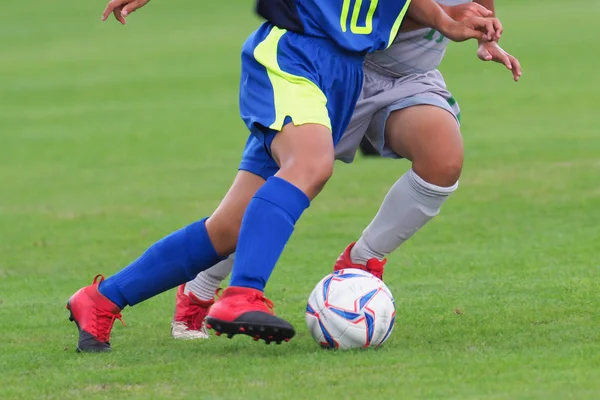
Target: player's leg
(305,155)
(206,282)
(194,299)
(295,123)
(429,136)
(171,261)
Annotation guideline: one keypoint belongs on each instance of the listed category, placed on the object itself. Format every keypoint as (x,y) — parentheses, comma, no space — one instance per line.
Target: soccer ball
(350,308)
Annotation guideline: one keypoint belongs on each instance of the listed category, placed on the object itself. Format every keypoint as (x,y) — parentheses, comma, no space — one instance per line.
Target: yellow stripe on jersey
(397,23)
(294,96)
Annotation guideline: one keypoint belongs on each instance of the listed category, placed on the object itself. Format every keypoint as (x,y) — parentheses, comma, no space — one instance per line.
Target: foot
(190,311)
(249,312)
(94,316)
(374,266)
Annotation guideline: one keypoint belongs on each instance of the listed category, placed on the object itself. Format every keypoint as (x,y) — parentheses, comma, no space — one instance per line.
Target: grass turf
(110,137)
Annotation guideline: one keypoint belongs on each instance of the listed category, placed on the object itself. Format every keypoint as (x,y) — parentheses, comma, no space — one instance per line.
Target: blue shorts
(288,77)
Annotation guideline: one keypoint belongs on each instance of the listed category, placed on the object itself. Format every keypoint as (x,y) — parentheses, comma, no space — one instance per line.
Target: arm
(429,13)
(459,12)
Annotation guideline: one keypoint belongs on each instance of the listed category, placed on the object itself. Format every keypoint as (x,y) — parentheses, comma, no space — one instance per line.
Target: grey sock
(410,204)
(207,282)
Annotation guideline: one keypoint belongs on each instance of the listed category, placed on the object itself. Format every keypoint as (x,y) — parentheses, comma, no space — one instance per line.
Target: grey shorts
(382,94)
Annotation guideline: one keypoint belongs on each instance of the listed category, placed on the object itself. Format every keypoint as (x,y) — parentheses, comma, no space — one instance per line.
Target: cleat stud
(286,340)
(278,342)
(229,335)
(209,326)
(256,338)
(242,329)
(218,333)
(267,342)
(270,337)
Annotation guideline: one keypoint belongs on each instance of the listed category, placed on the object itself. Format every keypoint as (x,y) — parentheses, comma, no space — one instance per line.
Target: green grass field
(111,137)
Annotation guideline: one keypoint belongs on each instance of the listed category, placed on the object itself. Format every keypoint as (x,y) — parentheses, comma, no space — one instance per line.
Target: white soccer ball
(350,309)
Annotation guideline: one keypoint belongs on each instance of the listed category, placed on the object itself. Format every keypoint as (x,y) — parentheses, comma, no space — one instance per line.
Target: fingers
(111,7)
(487,27)
(516,67)
(119,15)
(122,8)
(132,6)
(475,34)
(491,27)
(498,28)
(504,58)
(479,10)
(483,54)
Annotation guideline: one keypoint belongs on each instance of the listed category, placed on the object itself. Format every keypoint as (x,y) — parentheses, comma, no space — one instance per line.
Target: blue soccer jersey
(355,25)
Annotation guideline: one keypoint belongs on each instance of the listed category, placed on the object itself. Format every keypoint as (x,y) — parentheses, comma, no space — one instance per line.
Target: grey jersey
(412,52)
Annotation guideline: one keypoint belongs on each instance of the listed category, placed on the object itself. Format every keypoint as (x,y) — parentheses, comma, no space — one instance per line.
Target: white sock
(207,282)
(410,204)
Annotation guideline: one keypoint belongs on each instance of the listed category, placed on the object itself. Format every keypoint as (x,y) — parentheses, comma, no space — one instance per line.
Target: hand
(464,11)
(122,8)
(483,29)
(491,51)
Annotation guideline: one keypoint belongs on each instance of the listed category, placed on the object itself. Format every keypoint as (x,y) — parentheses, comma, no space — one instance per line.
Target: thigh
(423,132)
(305,154)
(288,78)
(429,136)
(413,90)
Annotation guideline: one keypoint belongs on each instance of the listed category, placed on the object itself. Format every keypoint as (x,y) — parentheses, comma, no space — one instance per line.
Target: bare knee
(305,156)
(431,139)
(308,174)
(441,170)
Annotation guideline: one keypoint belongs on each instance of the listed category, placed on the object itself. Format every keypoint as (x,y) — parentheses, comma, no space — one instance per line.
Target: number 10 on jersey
(354,27)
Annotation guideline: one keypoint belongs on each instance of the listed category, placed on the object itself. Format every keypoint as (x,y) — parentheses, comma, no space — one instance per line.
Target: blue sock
(171,261)
(266,228)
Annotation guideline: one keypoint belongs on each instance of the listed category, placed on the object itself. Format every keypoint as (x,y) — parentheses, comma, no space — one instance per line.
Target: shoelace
(261,298)
(192,313)
(375,267)
(106,320)
(193,310)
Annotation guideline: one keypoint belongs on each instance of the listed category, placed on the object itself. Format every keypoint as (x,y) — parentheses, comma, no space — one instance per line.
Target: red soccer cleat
(94,316)
(190,311)
(248,311)
(374,266)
